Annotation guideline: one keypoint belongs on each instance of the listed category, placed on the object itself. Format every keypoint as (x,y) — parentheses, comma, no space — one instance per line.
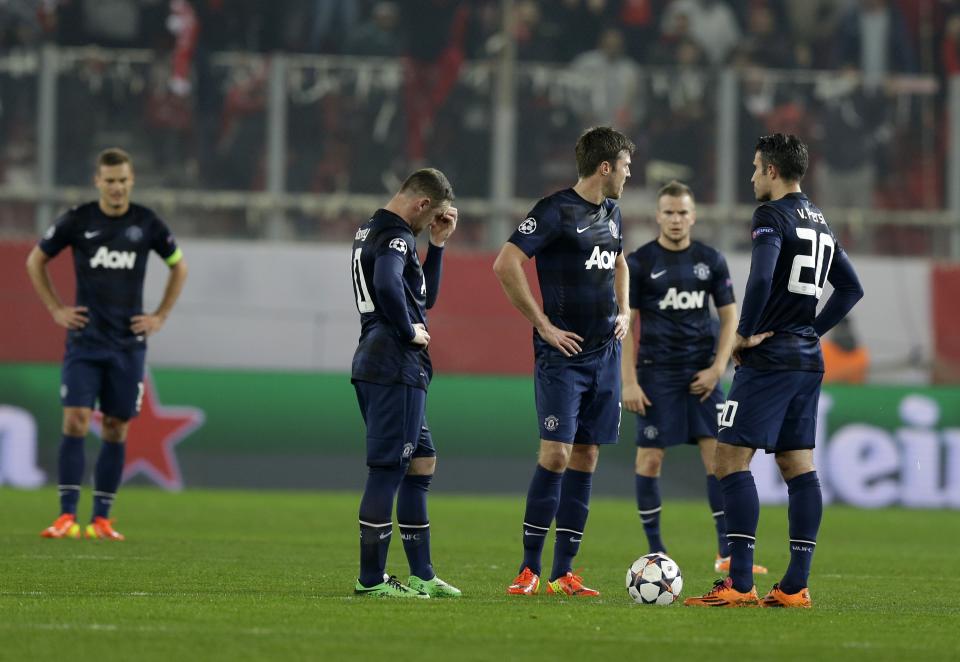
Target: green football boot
(389,588)
(435,588)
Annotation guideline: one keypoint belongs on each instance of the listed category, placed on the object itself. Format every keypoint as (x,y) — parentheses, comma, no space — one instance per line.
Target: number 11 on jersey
(364,302)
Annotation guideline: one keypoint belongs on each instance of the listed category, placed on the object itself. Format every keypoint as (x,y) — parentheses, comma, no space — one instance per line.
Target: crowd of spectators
(878,35)
(646,66)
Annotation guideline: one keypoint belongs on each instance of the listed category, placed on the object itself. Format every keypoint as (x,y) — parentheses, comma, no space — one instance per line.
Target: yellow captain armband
(175,257)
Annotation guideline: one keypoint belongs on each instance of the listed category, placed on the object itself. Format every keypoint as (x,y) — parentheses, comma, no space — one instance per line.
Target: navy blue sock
(571,519)
(715,497)
(107,475)
(648,506)
(376,524)
(70,470)
(805,512)
(742,510)
(414,524)
(543,498)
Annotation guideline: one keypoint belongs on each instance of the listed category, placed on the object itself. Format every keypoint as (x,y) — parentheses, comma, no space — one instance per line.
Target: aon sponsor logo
(600,259)
(113,259)
(682,300)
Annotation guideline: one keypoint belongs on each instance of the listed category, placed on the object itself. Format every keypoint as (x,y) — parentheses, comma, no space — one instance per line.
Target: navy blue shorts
(396,424)
(578,400)
(112,378)
(773,410)
(675,415)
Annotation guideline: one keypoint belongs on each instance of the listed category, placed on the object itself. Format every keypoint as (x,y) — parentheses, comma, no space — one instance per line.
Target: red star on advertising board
(152,436)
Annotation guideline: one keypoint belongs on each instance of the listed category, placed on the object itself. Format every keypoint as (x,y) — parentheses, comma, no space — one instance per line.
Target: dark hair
(599,144)
(786,153)
(113,156)
(674,189)
(431,183)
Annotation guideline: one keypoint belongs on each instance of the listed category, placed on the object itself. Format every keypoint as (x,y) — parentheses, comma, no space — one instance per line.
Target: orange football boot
(102,529)
(724,595)
(526,583)
(64,526)
(777,598)
(571,584)
(722,566)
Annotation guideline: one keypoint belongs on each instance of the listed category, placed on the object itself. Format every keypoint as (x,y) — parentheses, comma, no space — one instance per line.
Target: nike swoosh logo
(91,235)
(528,533)
(657,275)
(575,539)
(384,535)
(580,230)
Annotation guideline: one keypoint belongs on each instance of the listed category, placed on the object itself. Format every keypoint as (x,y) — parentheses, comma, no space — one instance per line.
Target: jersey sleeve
(765,228)
(722,291)
(59,235)
(164,244)
(538,229)
(395,243)
(635,269)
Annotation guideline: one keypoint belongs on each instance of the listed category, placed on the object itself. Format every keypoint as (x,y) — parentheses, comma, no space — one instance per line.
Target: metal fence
(303,147)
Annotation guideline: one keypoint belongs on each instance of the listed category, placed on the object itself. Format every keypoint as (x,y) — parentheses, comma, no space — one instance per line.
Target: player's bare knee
(708,453)
(649,461)
(422,466)
(76,421)
(114,429)
(584,458)
(792,466)
(554,456)
(731,459)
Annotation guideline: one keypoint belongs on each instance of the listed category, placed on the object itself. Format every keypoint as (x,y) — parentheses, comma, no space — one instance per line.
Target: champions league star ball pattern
(654,579)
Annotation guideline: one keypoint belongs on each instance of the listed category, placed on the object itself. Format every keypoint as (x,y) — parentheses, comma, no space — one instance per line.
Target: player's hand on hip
(740,343)
(145,324)
(704,382)
(420,336)
(443,227)
(70,317)
(567,342)
(621,326)
(634,399)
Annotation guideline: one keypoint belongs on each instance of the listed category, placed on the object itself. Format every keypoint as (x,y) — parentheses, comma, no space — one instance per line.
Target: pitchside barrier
(876,445)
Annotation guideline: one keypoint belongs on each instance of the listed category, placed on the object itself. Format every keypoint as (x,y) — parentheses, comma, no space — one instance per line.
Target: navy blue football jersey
(807,249)
(671,291)
(576,244)
(383,356)
(110,262)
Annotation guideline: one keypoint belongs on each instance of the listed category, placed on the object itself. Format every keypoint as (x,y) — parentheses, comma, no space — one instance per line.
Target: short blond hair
(113,156)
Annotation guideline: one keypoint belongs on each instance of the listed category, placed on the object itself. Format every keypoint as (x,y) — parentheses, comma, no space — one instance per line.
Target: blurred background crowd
(375,87)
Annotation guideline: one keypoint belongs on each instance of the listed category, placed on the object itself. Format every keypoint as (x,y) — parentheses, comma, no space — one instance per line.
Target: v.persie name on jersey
(108,259)
(682,300)
(811,215)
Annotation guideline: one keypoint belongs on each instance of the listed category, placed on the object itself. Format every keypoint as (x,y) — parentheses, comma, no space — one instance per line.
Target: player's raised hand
(704,382)
(740,343)
(567,342)
(145,325)
(421,337)
(443,227)
(634,399)
(70,317)
(621,326)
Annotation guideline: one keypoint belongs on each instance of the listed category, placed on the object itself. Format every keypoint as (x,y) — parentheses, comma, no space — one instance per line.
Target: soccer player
(391,373)
(107,330)
(575,236)
(673,387)
(772,403)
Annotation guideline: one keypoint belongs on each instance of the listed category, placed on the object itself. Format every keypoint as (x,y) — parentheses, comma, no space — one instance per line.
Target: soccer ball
(654,579)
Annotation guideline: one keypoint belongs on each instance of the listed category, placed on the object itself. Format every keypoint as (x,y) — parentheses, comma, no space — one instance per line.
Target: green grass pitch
(217,575)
